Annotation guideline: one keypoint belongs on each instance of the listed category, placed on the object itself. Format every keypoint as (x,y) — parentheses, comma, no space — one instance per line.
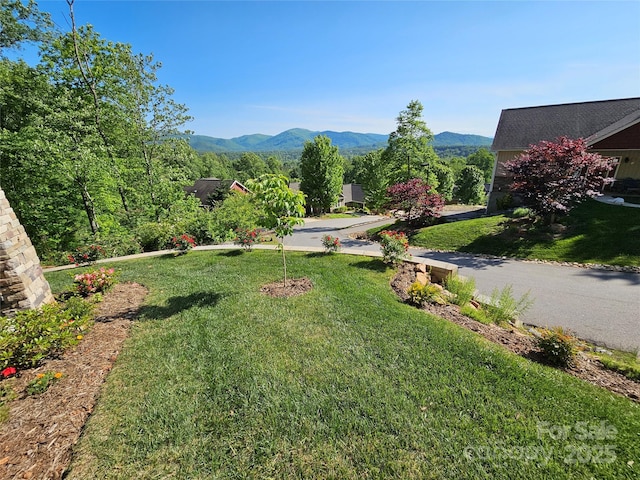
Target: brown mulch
(586,367)
(294,286)
(37,439)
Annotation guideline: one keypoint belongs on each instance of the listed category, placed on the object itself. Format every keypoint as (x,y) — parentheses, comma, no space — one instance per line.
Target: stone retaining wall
(22,284)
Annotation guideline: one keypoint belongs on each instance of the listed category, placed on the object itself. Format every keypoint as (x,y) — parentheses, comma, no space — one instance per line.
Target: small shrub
(33,335)
(558,347)
(87,255)
(522,212)
(246,237)
(420,294)
(42,382)
(331,244)
(477,314)
(461,289)
(182,243)
(505,202)
(342,209)
(94,282)
(394,246)
(503,307)
(154,236)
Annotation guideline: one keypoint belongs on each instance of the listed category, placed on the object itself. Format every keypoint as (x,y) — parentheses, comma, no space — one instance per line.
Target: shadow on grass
(178,304)
(316,255)
(375,265)
(231,253)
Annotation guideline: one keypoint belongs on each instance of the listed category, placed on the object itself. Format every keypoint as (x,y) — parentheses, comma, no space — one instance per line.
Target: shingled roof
(519,128)
(206,186)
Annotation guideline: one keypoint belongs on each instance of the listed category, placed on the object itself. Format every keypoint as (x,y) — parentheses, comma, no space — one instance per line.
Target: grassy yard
(596,233)
(220,381)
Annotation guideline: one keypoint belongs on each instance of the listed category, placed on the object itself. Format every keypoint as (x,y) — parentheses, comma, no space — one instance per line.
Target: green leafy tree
(444,176)
(484,160)
(322,170)
(374,177)
(471,186)
(20,22)
(409,148)
(249,165)
(283,208)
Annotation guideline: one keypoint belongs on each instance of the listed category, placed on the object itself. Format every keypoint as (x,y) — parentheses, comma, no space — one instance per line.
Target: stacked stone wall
(22,284)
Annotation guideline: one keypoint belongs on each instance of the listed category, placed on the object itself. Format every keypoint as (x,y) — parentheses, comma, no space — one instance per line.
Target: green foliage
(33,335)
(42,382)
(322,170)
(7,393)
(238,211)
(471,186)
(394,246)
(505,202)
(409,146)
(420,294)
(630,369)
(558,347)
(153,236)
(478,314)
(22,22)
(444,176)
(503,307)
(522,212)
(462,289)
(373,173)
(484,160)
(88,254)
(283,208)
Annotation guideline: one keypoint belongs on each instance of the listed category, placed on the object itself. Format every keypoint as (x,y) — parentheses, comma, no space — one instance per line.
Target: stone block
(423,278)
(420,267)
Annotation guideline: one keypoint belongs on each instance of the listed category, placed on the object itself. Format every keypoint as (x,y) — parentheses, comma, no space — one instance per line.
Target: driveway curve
(597,305)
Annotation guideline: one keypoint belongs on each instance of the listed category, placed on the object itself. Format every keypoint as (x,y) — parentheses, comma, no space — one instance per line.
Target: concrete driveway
(598,305)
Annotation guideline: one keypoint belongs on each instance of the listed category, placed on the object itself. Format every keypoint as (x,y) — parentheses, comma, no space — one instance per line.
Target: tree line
(93,149)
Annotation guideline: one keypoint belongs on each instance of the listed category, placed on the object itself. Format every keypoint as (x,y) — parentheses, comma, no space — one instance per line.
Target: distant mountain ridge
(295,138)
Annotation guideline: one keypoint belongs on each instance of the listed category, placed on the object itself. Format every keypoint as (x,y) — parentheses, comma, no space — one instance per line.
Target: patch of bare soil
(586,366)
(36,440)
(293,287)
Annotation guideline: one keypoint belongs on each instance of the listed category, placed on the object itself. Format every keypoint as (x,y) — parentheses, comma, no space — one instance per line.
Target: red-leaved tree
(417,199)
(552,177)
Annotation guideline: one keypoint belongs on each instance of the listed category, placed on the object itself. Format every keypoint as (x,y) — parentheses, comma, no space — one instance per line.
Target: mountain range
(295,138)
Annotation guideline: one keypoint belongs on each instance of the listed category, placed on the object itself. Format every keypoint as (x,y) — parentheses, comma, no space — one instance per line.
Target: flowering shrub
(42,382)
(86,255)
(183,243)
(94,282)
(558,347)
(331,244)
(246,237)
(32,335)
(394,246)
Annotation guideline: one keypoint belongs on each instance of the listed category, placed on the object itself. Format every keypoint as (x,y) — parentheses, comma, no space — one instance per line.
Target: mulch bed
(586,367)
(37,439)
(293,287)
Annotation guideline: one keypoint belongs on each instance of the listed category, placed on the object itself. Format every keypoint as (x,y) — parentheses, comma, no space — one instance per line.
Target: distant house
(352,194)
(207,189)
(610,127)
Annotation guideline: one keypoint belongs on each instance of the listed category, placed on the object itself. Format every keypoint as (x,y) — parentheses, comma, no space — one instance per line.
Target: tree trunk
(284,261)
(89,208)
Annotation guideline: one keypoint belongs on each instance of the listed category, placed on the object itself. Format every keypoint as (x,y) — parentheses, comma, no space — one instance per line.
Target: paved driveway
(598,305)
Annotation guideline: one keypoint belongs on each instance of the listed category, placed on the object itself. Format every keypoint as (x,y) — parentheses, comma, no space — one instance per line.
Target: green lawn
(345,382)
(596,233)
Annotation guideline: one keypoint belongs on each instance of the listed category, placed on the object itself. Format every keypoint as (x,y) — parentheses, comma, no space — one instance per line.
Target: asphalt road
(598,305)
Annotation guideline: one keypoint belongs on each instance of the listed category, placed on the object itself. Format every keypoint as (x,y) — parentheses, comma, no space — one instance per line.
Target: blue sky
(265,67)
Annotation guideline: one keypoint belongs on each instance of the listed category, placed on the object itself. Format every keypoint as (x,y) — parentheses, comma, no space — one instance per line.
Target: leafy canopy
(552,177)
(417,199)
(322,171)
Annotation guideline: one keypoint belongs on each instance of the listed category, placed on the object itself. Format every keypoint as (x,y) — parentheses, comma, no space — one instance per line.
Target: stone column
(22,284)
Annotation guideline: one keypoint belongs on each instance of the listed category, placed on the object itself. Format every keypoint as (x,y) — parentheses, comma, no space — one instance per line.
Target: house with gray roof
(610,128)
(208,190)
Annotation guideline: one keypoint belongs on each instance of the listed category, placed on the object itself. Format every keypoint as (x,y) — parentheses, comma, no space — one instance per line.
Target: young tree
(417,200)
(283,208)
(409,146)
(552,177)
(471,185)
(322,170)
(374,177)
